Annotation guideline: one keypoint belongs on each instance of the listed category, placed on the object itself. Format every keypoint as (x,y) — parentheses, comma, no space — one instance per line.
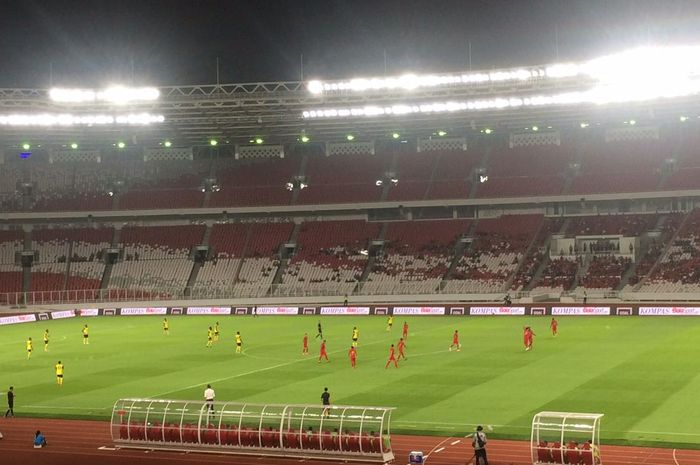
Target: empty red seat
(154,432)
(543,452)
(291,439)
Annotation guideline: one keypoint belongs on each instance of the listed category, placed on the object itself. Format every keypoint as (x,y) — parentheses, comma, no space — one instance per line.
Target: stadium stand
(155,258)
(414,171)
(499,245)
(452,176)
(10,273)
(416,257)
(328,254)
(254,182)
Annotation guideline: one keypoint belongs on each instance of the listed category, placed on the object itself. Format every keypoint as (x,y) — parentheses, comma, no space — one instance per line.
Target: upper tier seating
(416,257)
(254,182)
(414,171)
(632,166)
(452,176)
(328,254)
(559,275)
(526,171)
(624,225)
(526,273)
(343,178)
(499,245)
(10,274)
(605,272)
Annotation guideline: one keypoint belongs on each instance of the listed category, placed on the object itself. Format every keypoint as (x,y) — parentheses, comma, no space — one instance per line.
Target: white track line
(439,450)
(438,445)
(455,442)
(674,457)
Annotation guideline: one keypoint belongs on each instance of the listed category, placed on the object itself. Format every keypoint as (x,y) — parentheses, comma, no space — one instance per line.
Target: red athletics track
(73,442)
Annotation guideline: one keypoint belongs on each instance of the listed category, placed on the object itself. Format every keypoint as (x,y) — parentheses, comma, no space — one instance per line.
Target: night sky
(92,43)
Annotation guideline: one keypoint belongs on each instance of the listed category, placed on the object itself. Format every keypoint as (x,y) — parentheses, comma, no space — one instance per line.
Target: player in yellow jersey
(29,348)
(166,327)
(216,332)
(46,340)
(239,342)
(59,373)
(355,336)
(389,323)
(86,336)
(210,337)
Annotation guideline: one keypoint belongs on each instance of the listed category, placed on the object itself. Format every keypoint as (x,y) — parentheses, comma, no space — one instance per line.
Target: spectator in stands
(39,440)
(507,300)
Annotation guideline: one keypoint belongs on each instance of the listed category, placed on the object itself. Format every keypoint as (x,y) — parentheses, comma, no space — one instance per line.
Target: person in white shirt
(209,398)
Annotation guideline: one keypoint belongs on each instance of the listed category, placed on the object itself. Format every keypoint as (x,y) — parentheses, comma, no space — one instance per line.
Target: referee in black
(10,402)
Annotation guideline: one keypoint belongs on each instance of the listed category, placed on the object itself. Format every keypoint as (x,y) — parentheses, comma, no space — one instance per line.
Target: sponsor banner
(10,320)
(580,310)
(344,310)
(241,310)
(208,310)
(63,314)
(144,311)
(497,310)
(419,311)
(89,312)
(277,310)
(669,311)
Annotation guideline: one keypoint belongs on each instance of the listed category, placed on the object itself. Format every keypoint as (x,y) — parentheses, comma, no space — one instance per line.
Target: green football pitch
(641,372)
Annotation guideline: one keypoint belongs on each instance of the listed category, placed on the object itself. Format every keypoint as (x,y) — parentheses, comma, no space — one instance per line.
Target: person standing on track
(392,358)
(479,444)
(59,373)
(305,345)
(326,401)
(323,352)
(46,340)
(10,403)
(353,356)
(86,335)
(209,396)
(554,324)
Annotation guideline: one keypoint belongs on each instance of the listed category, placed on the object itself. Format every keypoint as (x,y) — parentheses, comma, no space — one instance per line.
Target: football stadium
(419,266)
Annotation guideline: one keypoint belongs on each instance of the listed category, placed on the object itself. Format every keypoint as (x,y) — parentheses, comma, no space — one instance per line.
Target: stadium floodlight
(350,137)
(259,140)
(118,95)
(121,144)
(488,131)
(167,143)
(442,133)
(584,125)
(213,142)
(535,128)
(683,119)
(74,145)
(26,146)
(304,138)
(395,135)
(379,183)
(67,119)
(632,122)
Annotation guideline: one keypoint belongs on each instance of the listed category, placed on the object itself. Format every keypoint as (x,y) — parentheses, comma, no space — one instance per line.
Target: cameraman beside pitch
(479,444)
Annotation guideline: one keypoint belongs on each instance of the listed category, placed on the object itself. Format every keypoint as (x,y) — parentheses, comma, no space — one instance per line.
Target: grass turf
(641,372)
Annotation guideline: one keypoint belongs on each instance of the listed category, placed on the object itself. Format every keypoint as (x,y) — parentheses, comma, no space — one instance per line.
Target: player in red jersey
(528,337)
(455,342)
(554,325)
(353,356)
(392,357)
(323,353)
(402,346)
(305,345)
(405,331)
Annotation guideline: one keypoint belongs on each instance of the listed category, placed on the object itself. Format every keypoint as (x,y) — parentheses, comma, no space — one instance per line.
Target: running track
(73,442)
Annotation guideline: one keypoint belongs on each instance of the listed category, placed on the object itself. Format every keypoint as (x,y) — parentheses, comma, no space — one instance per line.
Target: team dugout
(336,431)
